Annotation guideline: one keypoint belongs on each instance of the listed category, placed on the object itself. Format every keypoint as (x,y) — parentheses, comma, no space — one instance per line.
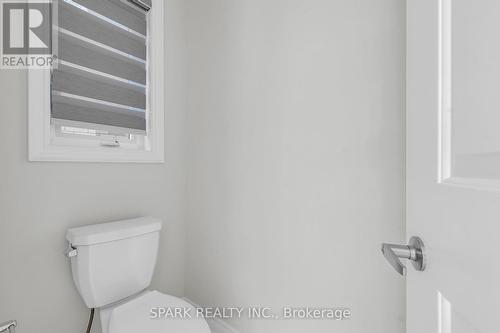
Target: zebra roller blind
(101,76)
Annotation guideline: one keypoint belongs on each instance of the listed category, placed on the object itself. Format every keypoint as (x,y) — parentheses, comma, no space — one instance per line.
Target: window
(102,100)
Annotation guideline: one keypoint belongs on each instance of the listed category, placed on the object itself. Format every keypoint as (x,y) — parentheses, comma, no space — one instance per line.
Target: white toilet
(112,266)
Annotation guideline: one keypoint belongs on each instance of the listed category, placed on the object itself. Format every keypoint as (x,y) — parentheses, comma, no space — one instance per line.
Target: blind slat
(119,12)
(90,43)
(68,67)
(84,86)
(66,111)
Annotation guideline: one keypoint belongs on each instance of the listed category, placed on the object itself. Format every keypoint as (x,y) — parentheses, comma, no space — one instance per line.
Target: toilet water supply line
(91,319)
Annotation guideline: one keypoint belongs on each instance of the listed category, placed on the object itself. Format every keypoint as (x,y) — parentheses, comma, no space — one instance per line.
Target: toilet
(112,266)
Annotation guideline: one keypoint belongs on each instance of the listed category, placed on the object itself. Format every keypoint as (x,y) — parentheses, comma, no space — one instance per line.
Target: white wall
(296,158)
(294,167)
(39,201)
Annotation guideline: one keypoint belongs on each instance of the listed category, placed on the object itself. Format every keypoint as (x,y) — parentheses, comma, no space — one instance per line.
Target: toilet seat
(135,316)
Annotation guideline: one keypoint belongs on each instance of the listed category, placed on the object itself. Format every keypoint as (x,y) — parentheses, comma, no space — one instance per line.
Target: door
(453,164)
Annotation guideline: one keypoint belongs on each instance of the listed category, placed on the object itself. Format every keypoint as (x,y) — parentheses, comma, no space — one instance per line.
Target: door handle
(414,251)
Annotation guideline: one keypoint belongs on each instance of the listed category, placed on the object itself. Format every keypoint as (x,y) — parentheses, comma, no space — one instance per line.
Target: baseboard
(216,325)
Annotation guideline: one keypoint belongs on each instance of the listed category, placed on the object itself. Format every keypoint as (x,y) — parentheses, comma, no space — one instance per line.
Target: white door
(453,164)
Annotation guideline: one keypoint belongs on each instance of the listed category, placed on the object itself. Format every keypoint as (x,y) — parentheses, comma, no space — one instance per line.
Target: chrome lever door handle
(414,251)
(393,258)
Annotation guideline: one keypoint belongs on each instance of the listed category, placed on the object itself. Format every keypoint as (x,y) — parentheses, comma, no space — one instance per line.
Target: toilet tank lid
(112,231)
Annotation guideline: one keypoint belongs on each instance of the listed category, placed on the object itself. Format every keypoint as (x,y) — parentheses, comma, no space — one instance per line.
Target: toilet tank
(115,260)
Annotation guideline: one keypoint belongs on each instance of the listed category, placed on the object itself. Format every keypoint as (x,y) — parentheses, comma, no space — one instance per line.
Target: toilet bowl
(112,266)
(137,315)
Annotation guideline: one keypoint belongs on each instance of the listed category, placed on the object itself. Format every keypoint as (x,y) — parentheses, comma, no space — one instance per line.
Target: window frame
(40,129)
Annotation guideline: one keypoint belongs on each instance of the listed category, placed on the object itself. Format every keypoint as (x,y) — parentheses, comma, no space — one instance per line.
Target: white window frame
(40,133)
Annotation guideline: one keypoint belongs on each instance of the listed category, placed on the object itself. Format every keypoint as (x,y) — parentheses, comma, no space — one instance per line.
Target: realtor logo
(26,34)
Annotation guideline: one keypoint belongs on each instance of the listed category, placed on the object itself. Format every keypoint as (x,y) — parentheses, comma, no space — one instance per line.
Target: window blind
(101,74)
